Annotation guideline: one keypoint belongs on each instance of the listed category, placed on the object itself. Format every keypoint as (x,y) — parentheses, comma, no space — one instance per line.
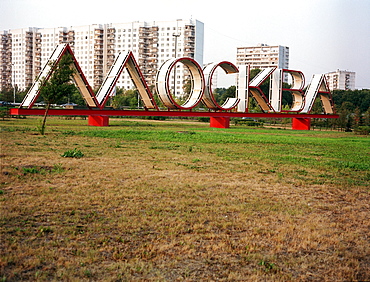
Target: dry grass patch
(148,202)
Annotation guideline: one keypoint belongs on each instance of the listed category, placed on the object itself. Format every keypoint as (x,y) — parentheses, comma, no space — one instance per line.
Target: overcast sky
(323,35)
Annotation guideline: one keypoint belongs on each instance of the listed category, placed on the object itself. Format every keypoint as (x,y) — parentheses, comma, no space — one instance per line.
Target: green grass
(343,155)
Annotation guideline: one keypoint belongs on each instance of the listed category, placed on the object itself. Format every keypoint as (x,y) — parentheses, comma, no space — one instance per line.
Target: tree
(221,94)
(357,98)
(367,117)
(125,98)
(357,118)
(187,87)
(57,86)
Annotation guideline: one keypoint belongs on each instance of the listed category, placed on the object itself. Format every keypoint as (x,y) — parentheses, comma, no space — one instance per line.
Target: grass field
(166,201)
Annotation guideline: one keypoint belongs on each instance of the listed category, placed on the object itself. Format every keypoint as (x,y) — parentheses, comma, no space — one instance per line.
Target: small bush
(58,168)
(203,119)
(362,130)
(32,170)
(248,122)
(4,113)
(75,153)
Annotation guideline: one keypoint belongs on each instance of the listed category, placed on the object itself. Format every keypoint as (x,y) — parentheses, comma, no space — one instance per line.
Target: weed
(58,168)
(32,170)
(267,266)
(42,170)
(166,147)
(69,132)
(44,230)
(302,171)
(75,153)
(87,273)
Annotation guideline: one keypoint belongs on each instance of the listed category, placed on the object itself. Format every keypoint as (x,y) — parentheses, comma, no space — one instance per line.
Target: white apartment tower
(24,51)
(154,43)
(22,57)
(341,80)
(263,56)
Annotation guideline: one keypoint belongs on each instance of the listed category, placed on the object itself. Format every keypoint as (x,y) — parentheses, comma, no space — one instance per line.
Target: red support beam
(98,120)
(220,122)
(97,112)
(301,123)
(101,117)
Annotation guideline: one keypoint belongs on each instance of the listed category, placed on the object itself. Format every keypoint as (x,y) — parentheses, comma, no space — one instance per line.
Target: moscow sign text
(201,86)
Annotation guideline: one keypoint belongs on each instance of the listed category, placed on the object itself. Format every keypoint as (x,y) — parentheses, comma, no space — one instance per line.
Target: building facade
(19,61)
(263,56)
(5,61)
(341,80)
(23,52)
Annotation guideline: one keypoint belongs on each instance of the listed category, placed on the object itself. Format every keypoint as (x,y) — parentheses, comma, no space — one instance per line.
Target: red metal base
(98,120)
(217,119)
(301,123)
(220,122)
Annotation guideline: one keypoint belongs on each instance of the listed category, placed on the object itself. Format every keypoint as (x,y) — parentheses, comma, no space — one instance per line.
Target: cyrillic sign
(201,86)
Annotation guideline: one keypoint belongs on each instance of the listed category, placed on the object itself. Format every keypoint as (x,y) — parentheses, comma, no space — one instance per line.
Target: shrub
(27,170)
(75,153)
(362,130)
(248,122)
(203,119)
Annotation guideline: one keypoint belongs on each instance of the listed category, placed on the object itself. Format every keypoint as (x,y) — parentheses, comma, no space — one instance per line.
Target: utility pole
(176,35)
(13,71)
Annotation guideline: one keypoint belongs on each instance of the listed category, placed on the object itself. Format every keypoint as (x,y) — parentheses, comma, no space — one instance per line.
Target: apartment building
(154,43)
(341,80)
(19,62)
(5,61)
(263,56)
(23,52)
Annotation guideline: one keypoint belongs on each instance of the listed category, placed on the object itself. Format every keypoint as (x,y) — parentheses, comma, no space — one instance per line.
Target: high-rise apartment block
(19,61)
(5,60)
(263,56)
(23,52)
(341,80)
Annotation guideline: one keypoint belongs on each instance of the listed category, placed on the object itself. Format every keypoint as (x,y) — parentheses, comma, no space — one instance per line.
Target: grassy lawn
(165,201)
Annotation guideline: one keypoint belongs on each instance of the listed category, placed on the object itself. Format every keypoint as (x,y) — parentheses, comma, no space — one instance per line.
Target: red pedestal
(98,120)
(220,122)
(301,123)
